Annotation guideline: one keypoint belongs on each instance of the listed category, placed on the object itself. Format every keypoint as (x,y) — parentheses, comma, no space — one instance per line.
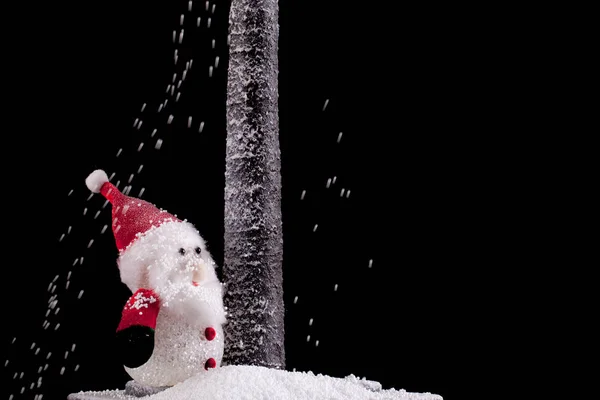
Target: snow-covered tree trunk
(253,233)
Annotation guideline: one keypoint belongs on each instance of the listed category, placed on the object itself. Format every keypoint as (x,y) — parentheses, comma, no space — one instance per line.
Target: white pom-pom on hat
(95,180)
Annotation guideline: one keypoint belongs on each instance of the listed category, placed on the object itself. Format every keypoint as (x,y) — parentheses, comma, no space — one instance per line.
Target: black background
(404,87)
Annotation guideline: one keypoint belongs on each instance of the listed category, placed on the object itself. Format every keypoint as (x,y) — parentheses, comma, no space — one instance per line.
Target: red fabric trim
(141,309)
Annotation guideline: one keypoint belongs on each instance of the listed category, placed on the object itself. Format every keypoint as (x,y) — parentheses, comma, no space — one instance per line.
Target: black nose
(135,345)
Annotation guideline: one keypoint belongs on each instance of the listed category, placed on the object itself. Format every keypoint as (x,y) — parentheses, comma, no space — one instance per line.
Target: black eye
(182,251)
(198,250)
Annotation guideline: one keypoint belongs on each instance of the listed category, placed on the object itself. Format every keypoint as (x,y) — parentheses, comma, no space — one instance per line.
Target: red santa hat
(131,217)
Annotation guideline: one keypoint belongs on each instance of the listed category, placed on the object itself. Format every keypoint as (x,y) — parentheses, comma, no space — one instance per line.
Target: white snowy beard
(200,306)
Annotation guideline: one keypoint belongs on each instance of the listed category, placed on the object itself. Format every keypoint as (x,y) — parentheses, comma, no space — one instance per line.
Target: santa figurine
(171,327)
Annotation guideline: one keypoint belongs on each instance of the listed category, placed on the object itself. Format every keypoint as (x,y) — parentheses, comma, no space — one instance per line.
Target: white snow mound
(241,382)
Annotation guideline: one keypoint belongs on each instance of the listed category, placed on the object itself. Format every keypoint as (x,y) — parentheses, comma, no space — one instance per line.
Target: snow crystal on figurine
(171,327)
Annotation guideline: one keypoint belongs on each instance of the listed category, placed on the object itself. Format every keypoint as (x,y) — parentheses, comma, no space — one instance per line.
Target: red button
(210,333)
(210,363)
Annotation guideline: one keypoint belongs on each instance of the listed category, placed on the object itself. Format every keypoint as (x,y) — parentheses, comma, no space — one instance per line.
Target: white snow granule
(308,338)
(310,322)
(339,137)
(213,43)
(295,299)
(302,195)
(328,183)
(143,107)
(208,23)
(334,179)
(259,383)
(198,21)
(104,228)
(119,152)
(370,263)
(216,61)
(342,192)
(170,119)
(201,127)
(315,228)
(335,287)
(80,294)
(317,343)
(62,370)
(61,237)
(73,347)
(325,105)
(140,146)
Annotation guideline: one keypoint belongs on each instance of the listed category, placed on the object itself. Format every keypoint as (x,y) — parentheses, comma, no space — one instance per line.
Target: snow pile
(259,383)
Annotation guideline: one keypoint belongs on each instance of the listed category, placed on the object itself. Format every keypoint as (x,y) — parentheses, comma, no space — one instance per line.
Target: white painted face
(172,255)
(191,266)
(181,259)
(172,260)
